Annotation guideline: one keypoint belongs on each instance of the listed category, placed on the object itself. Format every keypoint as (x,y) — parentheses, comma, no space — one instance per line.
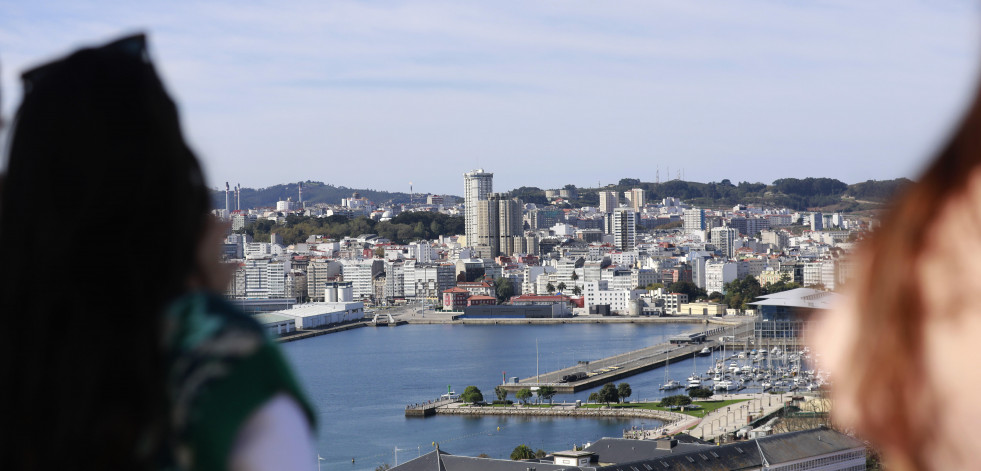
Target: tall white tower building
(476,186)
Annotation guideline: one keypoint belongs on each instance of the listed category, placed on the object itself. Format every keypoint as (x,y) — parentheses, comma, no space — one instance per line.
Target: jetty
(605,370)
(426,409)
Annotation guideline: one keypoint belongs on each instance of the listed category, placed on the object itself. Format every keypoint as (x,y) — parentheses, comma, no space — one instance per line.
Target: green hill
(799,194)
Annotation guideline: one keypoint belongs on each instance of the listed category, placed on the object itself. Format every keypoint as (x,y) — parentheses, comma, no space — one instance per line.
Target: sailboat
(669,384)
(694,381)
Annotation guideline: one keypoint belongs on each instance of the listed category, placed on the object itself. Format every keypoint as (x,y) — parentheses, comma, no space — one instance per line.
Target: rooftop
(799,297)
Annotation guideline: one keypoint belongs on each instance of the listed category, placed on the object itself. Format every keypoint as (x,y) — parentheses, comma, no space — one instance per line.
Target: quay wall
(574,320)
(667,417)
(305,334)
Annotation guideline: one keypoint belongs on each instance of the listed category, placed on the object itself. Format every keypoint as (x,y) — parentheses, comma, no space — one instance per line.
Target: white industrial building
(338,308)
(313,315)
(276,324)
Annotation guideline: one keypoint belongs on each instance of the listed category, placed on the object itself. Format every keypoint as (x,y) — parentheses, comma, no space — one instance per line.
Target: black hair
(101,212)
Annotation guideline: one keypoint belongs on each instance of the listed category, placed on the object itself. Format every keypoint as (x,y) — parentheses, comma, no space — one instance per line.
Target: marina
(590,374)
(347,377)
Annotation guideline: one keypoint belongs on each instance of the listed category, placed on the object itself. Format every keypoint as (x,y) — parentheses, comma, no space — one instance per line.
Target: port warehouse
(504,311)
(310,316)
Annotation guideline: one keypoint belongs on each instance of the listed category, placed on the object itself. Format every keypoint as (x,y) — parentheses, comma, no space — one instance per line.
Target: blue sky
(542,93)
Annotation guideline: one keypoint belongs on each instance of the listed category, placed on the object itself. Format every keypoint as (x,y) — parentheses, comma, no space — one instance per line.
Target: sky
(378,94)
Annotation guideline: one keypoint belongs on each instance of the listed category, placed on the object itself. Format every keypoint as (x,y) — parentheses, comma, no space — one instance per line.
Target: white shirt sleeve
(275,437)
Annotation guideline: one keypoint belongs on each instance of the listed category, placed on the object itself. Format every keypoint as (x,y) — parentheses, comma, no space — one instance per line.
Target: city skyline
(377,96)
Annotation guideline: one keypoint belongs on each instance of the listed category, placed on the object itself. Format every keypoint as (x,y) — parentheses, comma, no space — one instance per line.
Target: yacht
(694,382)
(725,385)
(671,384)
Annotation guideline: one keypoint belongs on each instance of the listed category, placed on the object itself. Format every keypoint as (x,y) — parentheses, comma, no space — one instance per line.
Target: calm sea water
(360,381)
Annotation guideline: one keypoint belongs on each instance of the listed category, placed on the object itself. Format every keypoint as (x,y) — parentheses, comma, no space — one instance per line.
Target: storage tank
(345,292)
(330,293)
(635,307)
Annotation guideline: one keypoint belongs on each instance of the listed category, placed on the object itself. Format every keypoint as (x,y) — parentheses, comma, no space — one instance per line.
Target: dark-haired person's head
(103,207)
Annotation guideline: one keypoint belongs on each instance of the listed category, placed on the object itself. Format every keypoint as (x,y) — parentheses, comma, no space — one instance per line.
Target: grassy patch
(707,406)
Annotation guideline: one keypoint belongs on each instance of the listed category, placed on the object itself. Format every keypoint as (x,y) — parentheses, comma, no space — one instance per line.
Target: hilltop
(823,194)
(313,193)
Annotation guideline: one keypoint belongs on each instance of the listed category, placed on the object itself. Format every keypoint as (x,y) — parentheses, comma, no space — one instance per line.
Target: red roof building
(455,299)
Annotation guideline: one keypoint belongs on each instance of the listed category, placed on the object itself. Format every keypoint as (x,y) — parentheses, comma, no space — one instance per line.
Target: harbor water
(361,380)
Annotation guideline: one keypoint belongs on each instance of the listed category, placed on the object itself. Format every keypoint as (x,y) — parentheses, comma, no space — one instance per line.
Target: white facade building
(313,315)
(608,201)
(694,219)
(361,275)
(595,293)
(717,274)
(266,278)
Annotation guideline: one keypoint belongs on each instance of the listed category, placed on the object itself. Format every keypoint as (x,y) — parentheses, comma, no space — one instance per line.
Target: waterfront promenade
(712,425)
(726,419)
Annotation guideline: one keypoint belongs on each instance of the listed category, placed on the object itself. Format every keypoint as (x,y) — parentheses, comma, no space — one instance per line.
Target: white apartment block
(266,278)
(626,258)
(596,293)
(361,275)
(820,272)
(694,219)
(717,274)
(423,252)
(394,280)
(429,281)
(530,276)
(673,302)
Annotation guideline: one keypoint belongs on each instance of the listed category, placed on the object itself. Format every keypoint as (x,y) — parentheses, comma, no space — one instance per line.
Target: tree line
(401,229)
(795,193)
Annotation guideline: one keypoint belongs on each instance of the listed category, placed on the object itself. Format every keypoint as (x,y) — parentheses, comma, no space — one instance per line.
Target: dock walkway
(625,364)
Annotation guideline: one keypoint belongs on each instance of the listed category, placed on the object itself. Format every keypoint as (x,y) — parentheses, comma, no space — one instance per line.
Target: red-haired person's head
(902,343)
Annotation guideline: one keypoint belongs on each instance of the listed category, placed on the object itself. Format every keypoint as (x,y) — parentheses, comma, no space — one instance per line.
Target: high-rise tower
(499,225)
(622,224)
(476,186)
(608,201)
(724,240)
